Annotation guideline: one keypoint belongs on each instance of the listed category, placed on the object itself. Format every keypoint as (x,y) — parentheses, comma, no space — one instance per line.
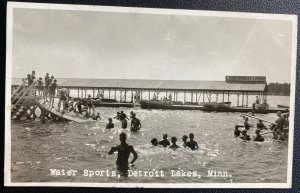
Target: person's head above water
(33,72)
(257,131)
(122,112)
(279,113)
(244,132)
(122,137)
(260,120)
(154,142)
(165,136)
(133,115)
(191,135)
(184,138)
(52,77)
(173,139)
(28,75)
(55,80)
(110,119)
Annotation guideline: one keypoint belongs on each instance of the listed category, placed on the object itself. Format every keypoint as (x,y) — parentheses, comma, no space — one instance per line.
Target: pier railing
(21,92)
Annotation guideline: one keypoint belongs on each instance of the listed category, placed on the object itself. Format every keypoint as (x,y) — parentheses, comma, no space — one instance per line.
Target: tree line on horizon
(282,89)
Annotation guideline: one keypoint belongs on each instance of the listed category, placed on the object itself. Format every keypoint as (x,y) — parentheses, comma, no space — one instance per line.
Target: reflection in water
(38,148)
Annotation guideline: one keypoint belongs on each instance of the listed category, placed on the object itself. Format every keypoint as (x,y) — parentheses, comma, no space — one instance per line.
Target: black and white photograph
(104,96)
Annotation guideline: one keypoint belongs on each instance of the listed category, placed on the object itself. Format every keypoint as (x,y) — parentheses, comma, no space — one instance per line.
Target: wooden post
(243,100)
(78,92)
(125,91)
(184,97)
(196,97)
(141,97)
(109,93)
(81,92)
(85,92)
(93,93)
(120,95)
(192,96)
(228,97)
(247,99)
(203,96)
(223,97)
(217,97)
(238,97)
(115,93)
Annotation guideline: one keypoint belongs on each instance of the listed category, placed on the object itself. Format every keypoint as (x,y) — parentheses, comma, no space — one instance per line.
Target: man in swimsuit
(174,145)
(237,132)
(52,88)
(258,136)
(40,86)
(97,117)
(63,94)
(90,105)
(117,116)
(245,136)
(164,142)
(124,150)
(123,118)
(110,124)
(246,124)
(192,144)
(278,130)
(46,87)
(184,139)
(135,124)
(154,142)
(260,125)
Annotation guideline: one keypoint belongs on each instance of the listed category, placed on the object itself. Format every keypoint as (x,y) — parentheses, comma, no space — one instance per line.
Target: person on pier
(52,89)
(40,84)
(46,89)
(135,124)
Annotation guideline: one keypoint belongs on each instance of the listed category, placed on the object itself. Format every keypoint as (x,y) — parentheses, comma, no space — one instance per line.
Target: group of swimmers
(193,145)
(135,124)
(279,128)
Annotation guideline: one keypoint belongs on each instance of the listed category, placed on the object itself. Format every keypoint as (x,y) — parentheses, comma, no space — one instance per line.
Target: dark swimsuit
(192,145)
(123,155)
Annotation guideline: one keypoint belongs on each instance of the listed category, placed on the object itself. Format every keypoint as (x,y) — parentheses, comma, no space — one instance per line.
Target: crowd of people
(279,128)
(193,145)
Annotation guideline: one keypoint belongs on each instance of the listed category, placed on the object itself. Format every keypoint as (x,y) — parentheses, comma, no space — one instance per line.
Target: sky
(111,45)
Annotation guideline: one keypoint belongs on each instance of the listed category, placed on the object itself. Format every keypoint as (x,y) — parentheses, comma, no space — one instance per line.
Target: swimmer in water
(174,145)
(245,136)
(260,125)
(154,142)
(97,117)
(117,116)
(237,132)
(135,124)
(124,150)
(184,139)
(123,118)
(258,136)
(164,142)
(246,124)
(110,124)
(192,144)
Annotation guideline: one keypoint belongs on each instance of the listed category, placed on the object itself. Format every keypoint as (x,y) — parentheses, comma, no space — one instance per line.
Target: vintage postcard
(100,96)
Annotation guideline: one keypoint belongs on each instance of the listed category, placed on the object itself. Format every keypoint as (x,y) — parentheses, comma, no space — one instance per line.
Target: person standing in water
(154,142)
(124,150)
(164,142)
(184,139)
(110,124)
(174,145)
(52,88)
(192,144)
(135,124)
(258,136)
(123,118)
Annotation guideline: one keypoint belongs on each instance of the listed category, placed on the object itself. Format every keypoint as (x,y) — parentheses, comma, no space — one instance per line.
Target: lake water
(37,148)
